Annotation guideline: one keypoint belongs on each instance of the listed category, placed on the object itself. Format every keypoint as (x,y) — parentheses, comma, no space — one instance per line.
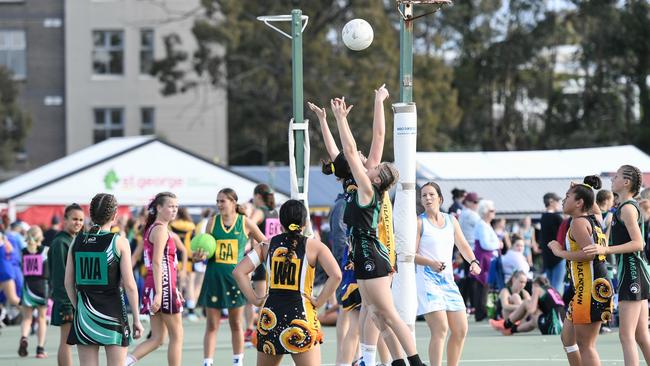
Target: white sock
(207,362)
(237,359)
(368,353)
(130,360)
(190,304)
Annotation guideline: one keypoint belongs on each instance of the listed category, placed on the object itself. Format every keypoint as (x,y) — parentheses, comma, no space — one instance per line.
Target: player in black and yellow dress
(99,264)
(184,227)
(592,301)
(626,242)
(288,321)
(265,216)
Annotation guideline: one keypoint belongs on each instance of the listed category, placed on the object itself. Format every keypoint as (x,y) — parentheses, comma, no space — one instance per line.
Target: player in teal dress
(98,271)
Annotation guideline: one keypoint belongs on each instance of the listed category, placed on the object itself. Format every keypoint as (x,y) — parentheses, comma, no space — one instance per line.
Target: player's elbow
(336,275)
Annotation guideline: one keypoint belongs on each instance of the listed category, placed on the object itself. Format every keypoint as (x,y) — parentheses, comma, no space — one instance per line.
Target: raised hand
(381,94)
(339,108)
(320,112)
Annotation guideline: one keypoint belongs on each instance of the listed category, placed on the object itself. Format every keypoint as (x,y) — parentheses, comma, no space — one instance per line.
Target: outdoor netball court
(483,347)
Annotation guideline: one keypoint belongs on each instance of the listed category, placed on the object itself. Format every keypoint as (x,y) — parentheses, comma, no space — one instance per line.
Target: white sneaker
(192,317)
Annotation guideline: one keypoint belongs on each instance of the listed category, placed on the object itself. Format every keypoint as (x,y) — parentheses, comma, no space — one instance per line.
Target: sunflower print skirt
(288,329)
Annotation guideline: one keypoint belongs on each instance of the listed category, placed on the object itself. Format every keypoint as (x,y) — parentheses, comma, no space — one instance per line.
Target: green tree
(14,123)
(254,63)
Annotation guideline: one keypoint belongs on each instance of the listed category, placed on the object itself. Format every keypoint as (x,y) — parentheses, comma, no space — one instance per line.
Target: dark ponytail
(339,167)
(636,178)
(152,209)
(102,209)
(293,216)
(267,195)
(585,191)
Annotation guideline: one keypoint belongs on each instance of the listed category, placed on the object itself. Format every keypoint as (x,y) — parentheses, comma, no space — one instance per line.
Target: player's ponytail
(293,215)
(152,209)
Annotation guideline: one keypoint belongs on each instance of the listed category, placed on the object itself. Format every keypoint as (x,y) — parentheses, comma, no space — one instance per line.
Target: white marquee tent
(134,169)
(517,180)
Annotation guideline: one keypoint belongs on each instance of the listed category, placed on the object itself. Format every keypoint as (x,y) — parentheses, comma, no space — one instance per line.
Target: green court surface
(483,346)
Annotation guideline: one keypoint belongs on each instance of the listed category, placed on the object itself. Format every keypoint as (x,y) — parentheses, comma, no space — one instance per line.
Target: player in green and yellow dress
(220,291)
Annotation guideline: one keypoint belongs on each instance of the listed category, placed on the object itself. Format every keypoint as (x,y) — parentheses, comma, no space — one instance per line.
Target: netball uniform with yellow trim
(592,300)
(288,321)
(185,231)
(219,289)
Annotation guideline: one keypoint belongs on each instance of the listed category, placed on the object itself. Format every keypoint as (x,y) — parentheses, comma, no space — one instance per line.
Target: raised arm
(328,139)
(378,128)
(350,151)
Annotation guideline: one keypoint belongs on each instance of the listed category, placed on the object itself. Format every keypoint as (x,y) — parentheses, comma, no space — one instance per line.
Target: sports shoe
(248,338)
(22,348)
(40,352)
(499,326)
(191,317)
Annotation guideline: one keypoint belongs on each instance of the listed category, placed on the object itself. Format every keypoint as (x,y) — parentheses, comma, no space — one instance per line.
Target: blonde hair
(34,235)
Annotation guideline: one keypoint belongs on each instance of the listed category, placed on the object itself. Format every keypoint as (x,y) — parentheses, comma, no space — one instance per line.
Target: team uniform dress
(633,278)
(185,231)
(57,256)
(171,299)
(592,300)
(437,291)
(36,272)
(271,227)
(370,256)
(552,308)
(219,289)
(100,316)
(288,321)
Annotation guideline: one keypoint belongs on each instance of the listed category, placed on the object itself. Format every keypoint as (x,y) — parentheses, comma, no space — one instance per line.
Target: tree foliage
(14,123)
(488,75)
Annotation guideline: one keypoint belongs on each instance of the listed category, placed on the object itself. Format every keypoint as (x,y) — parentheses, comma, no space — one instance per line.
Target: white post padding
(404,211)
(293,176)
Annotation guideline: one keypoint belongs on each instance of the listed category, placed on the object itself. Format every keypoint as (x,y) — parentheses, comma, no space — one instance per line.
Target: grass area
(483,347)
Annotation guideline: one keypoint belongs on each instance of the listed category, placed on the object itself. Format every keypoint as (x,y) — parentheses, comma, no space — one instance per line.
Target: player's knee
(440,331)
(626,337)
(571,349)
(235,322)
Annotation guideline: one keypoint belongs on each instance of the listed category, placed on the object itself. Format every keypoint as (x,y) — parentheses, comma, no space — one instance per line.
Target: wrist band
(475,261)
(254,257)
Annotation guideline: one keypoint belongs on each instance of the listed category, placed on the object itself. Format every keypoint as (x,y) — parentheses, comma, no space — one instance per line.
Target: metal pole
(404,142)
(406,55)
(298,117)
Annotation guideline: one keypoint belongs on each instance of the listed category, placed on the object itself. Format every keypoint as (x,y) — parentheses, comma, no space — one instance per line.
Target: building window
(146,51)
(109,122)
(12,52)
(108,52)
(147,126)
